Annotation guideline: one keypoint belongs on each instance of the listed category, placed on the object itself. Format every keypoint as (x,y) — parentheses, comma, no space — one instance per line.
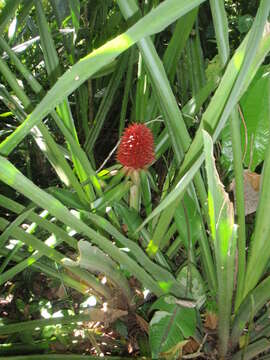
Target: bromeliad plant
(190,250)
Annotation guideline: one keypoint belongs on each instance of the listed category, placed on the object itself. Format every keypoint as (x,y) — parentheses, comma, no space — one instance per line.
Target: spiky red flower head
(136,149)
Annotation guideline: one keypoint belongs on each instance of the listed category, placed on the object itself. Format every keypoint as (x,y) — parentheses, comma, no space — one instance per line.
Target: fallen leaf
(211,320)
(191,347)
(253,178)
(26,310)
(142,323)
(57,346)
(125,228)
(61,292)
(251,190)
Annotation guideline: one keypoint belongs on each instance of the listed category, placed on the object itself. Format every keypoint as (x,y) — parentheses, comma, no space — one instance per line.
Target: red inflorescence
(136,149)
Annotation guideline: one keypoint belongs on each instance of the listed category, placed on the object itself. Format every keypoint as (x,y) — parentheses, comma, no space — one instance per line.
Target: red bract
(136,149)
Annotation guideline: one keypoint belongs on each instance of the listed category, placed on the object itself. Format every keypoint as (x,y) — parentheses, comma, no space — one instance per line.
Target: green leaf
(213,69)
(52,64)
(252,304)
(41,135)
(197,287)
(106,103)
(96,261)
(221,29)
(159,273)
(68,198)
(12,177)
(166,13)
(40,323)
(177,43)
(244,23)
(236,79)
(146,192)
(113,195)
(223,233)
(255,128)
(92,258)
(8,12)
(132,220)
(160,83)
(75,13)
(256,110)
(49,271)
(260,242)
(187,219)
(163,334)
(17,222)
(177,193)
(161,230)
(46,250)
(49,226)
(226,158)
(170,325)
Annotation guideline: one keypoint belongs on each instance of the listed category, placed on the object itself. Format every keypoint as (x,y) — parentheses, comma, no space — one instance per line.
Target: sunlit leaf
(223,233)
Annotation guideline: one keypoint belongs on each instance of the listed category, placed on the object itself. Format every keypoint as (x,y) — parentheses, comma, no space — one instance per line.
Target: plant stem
(240,204)
(135,192)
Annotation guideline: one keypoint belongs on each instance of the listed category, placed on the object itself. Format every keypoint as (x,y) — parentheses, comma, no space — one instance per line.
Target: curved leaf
(256,111)
(171,324)
(223,233)
(162,16)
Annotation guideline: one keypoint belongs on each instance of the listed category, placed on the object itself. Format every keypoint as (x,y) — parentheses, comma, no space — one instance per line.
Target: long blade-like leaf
(223,234)
(155,21)
(12,177)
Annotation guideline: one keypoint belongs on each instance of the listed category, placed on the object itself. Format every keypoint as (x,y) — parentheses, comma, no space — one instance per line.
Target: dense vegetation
(134,179)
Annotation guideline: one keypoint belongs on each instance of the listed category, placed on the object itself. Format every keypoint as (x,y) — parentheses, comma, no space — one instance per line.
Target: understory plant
(121,122)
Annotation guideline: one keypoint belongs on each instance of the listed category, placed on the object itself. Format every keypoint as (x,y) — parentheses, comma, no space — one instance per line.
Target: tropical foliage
(161,252)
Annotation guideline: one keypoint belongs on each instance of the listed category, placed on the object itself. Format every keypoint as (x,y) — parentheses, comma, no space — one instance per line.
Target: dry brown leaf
(211,320)
(142,323)
(26,310)
(61,292)
(251,190)
(253,178)
(125,228)
(191,347)
(58,347)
